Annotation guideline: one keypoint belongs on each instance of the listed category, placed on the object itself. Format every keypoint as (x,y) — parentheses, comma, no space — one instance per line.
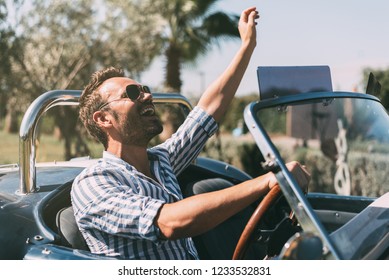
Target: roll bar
(28,127)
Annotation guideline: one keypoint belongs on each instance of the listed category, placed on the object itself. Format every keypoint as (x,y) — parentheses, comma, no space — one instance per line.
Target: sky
(346,35)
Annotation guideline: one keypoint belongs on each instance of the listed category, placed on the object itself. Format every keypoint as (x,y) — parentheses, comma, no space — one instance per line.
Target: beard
(140,130)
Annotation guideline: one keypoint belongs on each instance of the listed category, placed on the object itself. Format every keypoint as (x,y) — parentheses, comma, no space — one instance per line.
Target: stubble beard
(140,133)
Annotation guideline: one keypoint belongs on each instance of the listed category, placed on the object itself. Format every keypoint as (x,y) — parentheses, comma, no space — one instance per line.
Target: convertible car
(342,138)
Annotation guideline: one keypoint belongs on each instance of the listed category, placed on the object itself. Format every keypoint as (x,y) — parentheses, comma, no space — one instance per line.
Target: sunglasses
(133,92)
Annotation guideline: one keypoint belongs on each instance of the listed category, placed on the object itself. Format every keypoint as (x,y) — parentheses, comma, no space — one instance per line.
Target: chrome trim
(48,100)
(27,133)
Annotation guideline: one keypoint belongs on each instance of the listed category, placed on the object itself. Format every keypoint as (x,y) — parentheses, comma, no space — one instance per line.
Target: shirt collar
(111,156)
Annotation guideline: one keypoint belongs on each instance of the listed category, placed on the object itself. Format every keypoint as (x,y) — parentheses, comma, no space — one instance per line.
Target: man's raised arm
(219,94)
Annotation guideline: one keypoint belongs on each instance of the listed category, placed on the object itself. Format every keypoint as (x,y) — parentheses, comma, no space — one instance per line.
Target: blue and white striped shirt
(115,205)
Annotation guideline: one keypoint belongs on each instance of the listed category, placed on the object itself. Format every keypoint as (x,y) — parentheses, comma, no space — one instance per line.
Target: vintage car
(342,138)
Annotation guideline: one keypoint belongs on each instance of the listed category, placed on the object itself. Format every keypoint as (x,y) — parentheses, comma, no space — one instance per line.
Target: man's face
(134,122)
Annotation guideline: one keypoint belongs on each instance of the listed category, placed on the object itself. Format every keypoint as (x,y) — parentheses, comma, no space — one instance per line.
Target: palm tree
(191,28)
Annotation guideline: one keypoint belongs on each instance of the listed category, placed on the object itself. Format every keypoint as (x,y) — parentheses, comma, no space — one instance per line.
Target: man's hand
(299,172)
(220,93)
(247,25)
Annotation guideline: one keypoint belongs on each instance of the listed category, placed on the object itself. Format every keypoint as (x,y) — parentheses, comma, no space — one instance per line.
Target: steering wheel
(254,220)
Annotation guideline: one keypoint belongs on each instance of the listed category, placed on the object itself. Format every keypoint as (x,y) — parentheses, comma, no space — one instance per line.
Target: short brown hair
(91,100)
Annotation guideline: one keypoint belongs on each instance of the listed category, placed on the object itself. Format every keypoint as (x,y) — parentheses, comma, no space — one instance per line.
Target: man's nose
(145,97)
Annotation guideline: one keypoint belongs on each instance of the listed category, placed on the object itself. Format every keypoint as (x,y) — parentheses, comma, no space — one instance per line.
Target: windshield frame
(275,163)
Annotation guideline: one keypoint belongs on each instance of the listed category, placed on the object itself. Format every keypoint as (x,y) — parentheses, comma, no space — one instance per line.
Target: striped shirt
(115,205)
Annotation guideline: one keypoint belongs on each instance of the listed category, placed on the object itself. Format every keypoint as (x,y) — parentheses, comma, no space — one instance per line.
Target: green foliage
(49,148)
(9,149)
(382,76)
(368,168)
(234,114)
(273,121)
(369,174)
(190,27)
(58,44)
(240,152)
(7,50)
(368,171)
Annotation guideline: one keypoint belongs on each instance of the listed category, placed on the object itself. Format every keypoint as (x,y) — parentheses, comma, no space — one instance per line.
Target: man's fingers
(301,174)
(248,13)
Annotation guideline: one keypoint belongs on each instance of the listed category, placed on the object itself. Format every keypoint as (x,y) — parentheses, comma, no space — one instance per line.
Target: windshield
(342,141)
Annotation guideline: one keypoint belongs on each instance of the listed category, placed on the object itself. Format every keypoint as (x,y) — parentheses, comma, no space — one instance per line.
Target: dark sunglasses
(133,92)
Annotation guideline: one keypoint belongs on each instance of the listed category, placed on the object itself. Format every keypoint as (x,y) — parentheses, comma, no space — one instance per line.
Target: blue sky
(347,35)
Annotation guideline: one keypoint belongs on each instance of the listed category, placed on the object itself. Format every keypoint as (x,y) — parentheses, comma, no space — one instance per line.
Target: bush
(241,152)
(368,171)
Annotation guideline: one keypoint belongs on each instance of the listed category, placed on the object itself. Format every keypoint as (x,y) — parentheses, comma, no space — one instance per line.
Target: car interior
(332,210)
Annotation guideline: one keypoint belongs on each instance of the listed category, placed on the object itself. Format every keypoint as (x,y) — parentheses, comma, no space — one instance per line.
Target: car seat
(68,229)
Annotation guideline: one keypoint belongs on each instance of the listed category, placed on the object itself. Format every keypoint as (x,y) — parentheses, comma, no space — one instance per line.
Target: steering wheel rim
(256,217)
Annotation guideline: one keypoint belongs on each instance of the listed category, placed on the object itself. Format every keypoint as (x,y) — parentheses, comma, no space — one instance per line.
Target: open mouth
(148,110)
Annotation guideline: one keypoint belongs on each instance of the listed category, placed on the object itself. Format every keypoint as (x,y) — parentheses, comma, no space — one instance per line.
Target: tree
(132,36)
(57,53)
(191,27)
(62,43)
(5,36)
(382,76)
(187,30)
(233,117)
(8,44)
(58,44)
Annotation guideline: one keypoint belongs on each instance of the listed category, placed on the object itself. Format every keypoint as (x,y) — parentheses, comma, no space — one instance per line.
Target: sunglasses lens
(146,89)
(133,92)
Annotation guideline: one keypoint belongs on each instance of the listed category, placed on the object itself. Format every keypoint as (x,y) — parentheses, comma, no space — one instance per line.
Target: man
(130,204)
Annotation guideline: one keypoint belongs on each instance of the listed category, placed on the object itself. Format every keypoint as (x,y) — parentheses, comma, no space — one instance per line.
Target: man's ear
(103,119)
